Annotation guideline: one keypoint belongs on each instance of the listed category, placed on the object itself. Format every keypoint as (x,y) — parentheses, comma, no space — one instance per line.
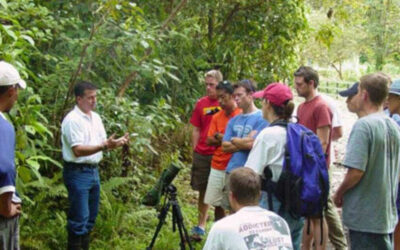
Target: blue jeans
(370,241)
(83,185)
(295,225)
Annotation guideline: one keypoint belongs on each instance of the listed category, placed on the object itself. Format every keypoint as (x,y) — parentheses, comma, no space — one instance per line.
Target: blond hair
(216,74)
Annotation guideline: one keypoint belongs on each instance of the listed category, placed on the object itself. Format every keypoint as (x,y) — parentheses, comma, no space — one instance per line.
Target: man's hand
(112,143)
(9,209)
(338,199)
(15,209)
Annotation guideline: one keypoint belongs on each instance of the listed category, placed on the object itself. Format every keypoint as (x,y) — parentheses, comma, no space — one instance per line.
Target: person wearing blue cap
(350,93)
(394,109)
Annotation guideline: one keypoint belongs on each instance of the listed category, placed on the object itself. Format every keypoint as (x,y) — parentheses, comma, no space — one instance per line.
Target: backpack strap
(268,185)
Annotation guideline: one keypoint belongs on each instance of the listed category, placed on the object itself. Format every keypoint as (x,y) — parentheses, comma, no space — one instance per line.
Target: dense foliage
(148,58)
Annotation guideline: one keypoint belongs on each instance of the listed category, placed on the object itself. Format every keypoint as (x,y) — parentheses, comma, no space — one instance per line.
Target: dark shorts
(200,171)
(9,233)
(398,202)
(370,241)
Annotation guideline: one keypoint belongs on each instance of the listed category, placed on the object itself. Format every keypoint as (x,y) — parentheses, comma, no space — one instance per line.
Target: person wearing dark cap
(10,203)
(350,93)
(216,179)
(393,105)
(269,148)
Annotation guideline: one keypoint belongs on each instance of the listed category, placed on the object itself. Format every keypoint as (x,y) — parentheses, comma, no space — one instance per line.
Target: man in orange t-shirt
(220,159)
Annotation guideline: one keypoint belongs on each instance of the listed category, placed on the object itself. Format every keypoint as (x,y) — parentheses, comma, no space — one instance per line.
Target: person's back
(251,227)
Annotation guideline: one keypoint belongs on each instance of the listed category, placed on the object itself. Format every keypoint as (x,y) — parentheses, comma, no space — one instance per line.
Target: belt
(79,165)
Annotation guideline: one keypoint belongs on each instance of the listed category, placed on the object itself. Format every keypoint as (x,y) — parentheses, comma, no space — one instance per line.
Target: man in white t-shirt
(250,227)
(335,228)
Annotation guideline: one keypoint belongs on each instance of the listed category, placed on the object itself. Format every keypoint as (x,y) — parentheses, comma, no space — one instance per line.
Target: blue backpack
(303,186)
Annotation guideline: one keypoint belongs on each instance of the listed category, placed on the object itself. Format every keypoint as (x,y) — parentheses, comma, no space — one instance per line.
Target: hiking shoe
(197,233)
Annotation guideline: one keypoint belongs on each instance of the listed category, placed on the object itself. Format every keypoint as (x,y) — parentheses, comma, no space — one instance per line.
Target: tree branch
(228,19)
(77,72)
(148,52)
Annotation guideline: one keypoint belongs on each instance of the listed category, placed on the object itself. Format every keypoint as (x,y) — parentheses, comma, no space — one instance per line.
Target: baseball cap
(395,87)
(350,91)
(276,93)
(10,76)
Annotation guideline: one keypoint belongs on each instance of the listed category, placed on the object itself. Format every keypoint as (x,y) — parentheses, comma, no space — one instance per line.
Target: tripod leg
(181,226)
(161,218)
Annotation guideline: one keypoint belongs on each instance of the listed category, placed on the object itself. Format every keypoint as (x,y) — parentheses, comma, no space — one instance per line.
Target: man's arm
(245,143)
(353,176)
(228,147)
(215,140)
(323,135)
(195,136)
(110,143)
(337,133)
(8,209)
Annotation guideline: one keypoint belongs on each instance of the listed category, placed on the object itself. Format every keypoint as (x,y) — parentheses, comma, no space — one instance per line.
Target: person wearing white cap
(10,203)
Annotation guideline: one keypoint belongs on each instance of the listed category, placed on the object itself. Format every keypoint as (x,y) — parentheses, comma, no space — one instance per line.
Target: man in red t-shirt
(314,114)
(201,119)
(220,159)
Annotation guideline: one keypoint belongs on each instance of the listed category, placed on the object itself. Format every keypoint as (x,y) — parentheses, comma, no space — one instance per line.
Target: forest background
(148,58)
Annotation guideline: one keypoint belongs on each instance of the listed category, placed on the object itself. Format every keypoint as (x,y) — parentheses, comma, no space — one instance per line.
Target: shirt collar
(79,111)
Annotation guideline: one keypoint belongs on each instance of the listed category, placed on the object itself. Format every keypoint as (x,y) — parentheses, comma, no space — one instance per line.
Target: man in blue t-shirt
(10,203)
(241,130)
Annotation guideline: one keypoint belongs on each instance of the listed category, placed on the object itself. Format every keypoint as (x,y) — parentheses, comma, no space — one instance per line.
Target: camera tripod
(177,218)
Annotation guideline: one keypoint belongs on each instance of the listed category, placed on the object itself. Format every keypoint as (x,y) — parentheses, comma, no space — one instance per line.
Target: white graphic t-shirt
(250,228)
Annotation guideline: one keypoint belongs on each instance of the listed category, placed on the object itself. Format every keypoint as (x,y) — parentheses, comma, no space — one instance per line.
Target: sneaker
(197,233)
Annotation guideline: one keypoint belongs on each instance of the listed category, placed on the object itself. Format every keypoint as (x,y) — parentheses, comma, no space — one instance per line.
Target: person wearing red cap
(314,114)
(269,148)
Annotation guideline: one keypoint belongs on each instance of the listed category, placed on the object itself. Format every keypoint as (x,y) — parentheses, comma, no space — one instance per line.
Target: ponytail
(284,112)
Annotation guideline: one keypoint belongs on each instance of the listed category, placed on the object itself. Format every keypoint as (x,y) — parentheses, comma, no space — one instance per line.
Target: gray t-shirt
(373,147)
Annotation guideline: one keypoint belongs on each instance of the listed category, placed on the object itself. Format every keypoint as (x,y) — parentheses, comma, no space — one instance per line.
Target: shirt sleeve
(357,147)
(229,130)
(73,133)
(260,154)
(103,133)
(195,120)
(213,240)
(324,116)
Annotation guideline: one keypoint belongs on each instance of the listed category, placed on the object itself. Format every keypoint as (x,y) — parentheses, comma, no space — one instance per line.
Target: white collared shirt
(79,128)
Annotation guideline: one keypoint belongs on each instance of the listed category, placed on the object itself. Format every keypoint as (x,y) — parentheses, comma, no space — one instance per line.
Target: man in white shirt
(83,140)
(250,227)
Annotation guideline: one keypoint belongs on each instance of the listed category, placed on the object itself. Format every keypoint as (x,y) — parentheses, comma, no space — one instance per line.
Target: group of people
(234,144)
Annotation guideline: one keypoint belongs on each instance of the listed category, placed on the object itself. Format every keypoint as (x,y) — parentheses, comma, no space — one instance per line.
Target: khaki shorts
(225,197)
(200,171)
(215,187)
